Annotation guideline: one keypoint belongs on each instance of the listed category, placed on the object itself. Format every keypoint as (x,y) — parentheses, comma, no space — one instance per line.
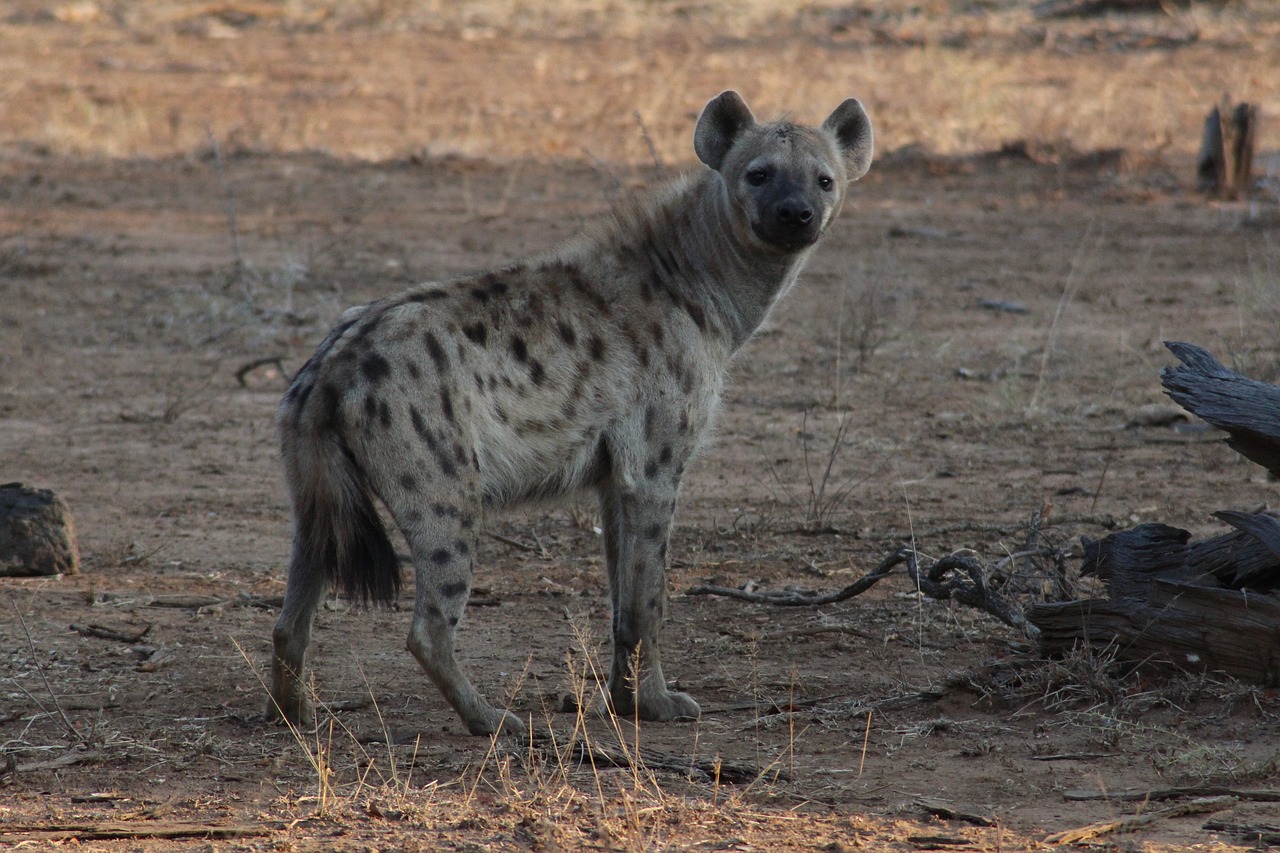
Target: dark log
(1182,626)
(1131,560)
(1247,410)
(1198,606)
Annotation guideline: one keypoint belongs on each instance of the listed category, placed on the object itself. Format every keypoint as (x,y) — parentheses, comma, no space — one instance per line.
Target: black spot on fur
(476,333)
(370,406)
(650,418)
(438,358)
(453,590)
(461,547)
(536,372)
(567,334)
(655,329)
(665,456)
(519,349)
(384,414)
(375,368)
(440,556)
(444,511)
(651,469)
(408,482)
(415,372)
(468,522)
(596,347)
(654,532)
(695,311)
(426,295)
(446,405)
(480,294)
(419,425)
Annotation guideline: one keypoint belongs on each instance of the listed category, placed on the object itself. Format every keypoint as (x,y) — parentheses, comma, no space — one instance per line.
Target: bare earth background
(188,187)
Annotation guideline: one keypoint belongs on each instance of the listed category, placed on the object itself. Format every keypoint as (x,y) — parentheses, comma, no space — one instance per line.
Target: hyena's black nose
(794,214)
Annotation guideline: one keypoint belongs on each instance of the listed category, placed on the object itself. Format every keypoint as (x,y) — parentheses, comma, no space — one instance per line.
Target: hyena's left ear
(852,130)
(721,123)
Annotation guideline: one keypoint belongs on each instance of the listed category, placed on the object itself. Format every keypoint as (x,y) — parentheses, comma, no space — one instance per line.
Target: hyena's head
(785,182)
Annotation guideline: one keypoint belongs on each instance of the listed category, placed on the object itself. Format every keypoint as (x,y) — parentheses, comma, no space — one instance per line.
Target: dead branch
(946,811)
(957,577)
(1157,794)
(1132,822)
(108,830)
(1262,834)
(104,633)
(65,760)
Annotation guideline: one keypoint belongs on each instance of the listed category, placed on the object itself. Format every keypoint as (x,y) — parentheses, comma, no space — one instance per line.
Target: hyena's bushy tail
(339,538)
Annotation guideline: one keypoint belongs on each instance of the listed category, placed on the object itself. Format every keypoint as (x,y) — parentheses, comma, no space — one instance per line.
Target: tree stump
(1224,166)
(37,536)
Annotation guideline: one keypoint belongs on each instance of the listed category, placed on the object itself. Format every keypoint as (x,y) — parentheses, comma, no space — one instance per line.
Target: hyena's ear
(721,123)
(852,129)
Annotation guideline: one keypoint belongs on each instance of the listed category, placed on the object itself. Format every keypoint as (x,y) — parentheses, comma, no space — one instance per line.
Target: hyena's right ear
(852,129)
(721,123)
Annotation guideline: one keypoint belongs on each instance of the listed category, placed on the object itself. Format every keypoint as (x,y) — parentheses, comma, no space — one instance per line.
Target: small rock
(1157,415)
(37,536)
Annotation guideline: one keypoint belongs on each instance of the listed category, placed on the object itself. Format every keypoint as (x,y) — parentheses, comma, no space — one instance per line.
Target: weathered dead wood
(1247,410)
(101,632)
(1259,834)
(946,811)
(1142,795)
(1199,606)
(1224,166)
(108,830)
(1182,625)
(1132,822)
(955,577)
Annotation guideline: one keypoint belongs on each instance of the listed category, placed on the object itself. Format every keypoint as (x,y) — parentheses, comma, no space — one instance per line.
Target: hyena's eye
(757,177)
(825,184)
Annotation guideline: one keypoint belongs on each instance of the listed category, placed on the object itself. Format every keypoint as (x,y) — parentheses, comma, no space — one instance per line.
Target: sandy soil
(137,279)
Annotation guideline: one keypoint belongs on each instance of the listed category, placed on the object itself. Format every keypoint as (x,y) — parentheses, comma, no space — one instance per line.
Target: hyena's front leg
(636,517)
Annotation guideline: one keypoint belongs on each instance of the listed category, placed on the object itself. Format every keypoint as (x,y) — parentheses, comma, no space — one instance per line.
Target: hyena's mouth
(788,238)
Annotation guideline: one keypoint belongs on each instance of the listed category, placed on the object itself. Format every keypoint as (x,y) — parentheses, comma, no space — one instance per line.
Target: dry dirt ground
(184,196)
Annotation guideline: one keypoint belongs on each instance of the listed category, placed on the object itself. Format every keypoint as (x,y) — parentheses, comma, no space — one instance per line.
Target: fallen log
(1207,606)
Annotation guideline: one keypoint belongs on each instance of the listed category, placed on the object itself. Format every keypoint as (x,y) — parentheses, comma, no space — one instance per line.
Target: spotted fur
(593,368)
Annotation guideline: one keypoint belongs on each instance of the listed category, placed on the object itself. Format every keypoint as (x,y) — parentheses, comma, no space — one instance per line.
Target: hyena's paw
(669,705)
(490,721)
(661,706)
(298,712)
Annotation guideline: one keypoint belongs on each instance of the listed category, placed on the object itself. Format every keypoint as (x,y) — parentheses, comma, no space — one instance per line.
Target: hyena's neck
(687,238)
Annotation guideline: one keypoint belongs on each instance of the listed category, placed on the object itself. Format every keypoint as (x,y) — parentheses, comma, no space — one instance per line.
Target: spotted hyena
(595,367)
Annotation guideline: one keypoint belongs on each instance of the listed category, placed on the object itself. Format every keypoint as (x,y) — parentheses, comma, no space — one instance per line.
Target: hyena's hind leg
(307,586)
(440,532)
